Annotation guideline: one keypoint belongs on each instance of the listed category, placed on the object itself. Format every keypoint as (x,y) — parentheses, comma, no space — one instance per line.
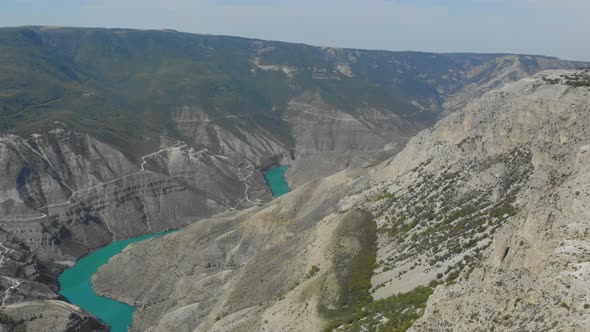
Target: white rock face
(497,72)
(65,193)
(492,197)
(328,140)
(534,275)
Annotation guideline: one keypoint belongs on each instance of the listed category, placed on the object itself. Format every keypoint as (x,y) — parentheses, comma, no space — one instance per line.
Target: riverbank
(76,286)
(275,178)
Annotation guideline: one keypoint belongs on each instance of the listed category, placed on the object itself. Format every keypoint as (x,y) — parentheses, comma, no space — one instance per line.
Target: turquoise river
(75,282)
(275,177)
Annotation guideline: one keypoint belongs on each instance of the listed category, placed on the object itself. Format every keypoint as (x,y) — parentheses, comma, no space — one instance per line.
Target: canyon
(110,134)
(476,211)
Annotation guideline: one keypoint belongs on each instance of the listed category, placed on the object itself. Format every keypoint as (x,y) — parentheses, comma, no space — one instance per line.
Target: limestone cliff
(491,201)
(534,275)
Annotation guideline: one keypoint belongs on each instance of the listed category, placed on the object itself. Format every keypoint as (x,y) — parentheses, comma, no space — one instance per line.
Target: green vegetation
(125,86)
(400,311)
(576,80)
(433,220)
(551,80)
(384,195)
(312,272)
(353,268)
(578,83)
(355,309)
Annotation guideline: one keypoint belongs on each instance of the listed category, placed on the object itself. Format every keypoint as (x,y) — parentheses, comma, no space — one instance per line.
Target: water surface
(275,177)
(75,282)
(75,285)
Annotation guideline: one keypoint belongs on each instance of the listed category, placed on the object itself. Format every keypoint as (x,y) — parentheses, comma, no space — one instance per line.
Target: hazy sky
(550,27)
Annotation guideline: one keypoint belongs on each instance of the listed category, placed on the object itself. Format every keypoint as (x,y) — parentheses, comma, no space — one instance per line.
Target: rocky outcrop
(318,127)
(484,74)
(74,192)
(534,275)
(329,139)
(321,165)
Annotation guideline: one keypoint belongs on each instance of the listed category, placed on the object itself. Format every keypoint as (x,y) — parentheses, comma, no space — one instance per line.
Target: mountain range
(412,172)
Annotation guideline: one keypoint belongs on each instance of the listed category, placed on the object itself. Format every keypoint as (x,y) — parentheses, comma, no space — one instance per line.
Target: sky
(548,27)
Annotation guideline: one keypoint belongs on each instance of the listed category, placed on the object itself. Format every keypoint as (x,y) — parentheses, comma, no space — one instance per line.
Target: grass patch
(354,309)
(353,268)
(401,311)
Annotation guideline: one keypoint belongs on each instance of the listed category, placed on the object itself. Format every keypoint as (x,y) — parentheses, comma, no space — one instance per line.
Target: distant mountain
(128,87)
(113,133)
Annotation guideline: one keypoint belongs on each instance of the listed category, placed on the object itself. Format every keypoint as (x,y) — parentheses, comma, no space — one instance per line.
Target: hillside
(480,211)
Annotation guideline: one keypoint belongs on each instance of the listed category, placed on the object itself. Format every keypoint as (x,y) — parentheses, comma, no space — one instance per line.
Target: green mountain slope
(122,86)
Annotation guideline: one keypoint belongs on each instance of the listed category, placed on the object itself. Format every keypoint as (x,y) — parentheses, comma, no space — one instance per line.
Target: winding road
(243,180)
(15,284)
(4,253)
(305,108)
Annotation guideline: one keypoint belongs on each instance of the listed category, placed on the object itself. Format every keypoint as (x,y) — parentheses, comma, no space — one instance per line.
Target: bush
(401,310)
(312,272)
